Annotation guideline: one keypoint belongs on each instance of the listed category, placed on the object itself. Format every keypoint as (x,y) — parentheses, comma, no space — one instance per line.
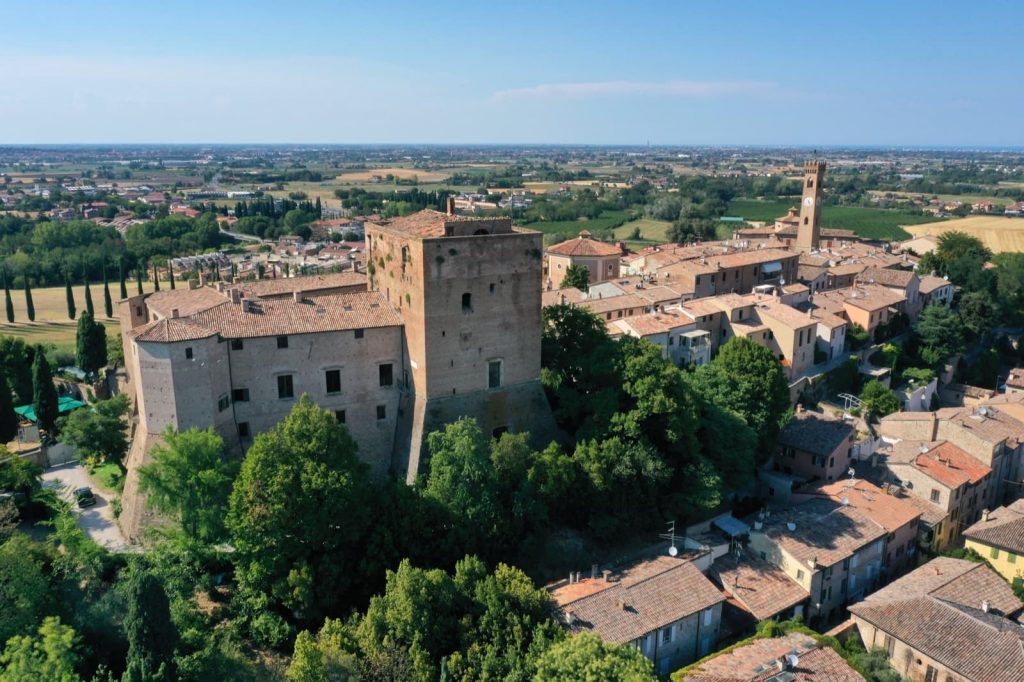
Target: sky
(714,72)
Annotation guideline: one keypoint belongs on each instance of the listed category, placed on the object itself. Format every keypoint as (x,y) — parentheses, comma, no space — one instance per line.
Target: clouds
(673,88)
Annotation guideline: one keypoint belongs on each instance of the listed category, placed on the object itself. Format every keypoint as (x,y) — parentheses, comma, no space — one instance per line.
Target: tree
(577,276)
(979,312)
(90,344)
(940,332)
(120,278)
(878,400)
(69,295)
(16,358)
(99,431)
(329,656)
(7,299)
(190,479)
(586,658)
(30,309)
(108,304)
(156,278)
(44,394)
(88,295)
(50,655)
(152,636)
(747,379)
(138,278)
(8,417)
(25,589)
(170,272)
(297,511)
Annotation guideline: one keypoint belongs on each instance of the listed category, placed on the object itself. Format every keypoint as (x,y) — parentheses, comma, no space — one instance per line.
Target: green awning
(65,404)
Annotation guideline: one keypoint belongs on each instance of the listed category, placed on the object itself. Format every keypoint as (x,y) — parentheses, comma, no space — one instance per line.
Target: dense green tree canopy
(585,658)
(25,587)
(878,400)
(152,637)
(577,276)
(50,655)
(99,431)
(90,343)
(940,333)
(44,394)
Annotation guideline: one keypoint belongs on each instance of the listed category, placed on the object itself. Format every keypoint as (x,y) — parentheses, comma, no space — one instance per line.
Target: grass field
(52,325)
(874,223)
(1001,234)
(401,173)
(966,198)
(650,230)
(563,229)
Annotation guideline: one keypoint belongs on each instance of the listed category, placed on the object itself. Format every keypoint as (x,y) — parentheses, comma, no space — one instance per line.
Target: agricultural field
(52,325)
(874,223)
(1000,234)
(655,231)
(966,198)
(557,230)
(422,175)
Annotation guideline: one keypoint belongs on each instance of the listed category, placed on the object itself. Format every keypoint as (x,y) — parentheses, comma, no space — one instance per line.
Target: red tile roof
(951,466)
(583,245)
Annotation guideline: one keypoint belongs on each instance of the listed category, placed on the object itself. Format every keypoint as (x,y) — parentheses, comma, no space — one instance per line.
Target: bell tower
(809,232)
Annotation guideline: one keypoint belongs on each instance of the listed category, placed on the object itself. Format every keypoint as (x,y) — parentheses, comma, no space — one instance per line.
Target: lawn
(108,476)
(52,325)
(650,230)
(873,223)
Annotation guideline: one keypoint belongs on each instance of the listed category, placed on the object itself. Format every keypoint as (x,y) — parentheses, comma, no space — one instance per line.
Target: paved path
(98,520)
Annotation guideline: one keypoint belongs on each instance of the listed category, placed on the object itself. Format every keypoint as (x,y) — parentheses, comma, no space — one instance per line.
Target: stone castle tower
(809,231)
(468,291)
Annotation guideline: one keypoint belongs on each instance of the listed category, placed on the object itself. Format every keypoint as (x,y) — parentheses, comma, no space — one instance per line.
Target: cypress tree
(44,395)
(90,344)
(156,278)
(88,294)
(8,417)
(7,299)
(108,305)
(120,276)
(170,272)
(69,295)
(138,277)
(30,307)
(152,636)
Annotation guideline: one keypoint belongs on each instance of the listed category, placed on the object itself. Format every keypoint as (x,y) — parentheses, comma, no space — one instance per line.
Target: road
(98,521)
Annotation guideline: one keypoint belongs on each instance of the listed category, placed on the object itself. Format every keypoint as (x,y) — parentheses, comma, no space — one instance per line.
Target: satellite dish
(793,660)
(673,551)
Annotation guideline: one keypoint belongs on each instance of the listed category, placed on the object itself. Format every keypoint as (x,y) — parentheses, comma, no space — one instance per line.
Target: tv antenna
(671,537)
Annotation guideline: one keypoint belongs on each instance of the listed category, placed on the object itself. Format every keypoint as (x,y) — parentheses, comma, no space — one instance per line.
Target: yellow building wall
(1006,564)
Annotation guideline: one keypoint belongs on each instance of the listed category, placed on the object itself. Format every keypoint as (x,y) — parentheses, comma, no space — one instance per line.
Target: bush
(920,375)
(271,630)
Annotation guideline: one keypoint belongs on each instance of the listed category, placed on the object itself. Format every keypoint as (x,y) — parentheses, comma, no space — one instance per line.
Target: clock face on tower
(809,201)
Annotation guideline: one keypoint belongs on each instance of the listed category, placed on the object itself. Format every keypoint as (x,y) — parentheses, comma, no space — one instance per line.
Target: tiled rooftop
(815,433)
(1004,528)
(185,301)
(889,511)
(756,662)
(307,284)
(583,245)
(170,330)
(825,532)
(761,587)
(887,277)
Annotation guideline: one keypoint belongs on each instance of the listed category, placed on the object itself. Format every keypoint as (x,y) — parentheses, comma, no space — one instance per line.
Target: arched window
(810,183)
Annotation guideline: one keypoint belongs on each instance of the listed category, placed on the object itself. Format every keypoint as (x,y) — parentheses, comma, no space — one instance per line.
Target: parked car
(84,497)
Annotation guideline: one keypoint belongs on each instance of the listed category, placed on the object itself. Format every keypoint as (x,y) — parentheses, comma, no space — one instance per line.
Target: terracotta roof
(170,330)
(888,511)
(753,257)
(785,314)
(846,269)
(557,296)
(307,284)
(986,423)
(273,317)
(936,609)
(827,319)
(648,596)
(625,302)
(656,323)
(951,466)
(887,277)
(583,245)
(815,433)
(825,532)
(430,223)
(1004,528)
(756,662)
(1016,378)
(186,301)
(929,283)
(761,587)
(868,297)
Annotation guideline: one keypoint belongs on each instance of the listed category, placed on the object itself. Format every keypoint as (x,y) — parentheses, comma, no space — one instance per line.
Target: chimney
(984,512)
(781,663)
(451,205)
(571,576)
(193,284)
(297,296)
(175,315)
(246,305)
(593,571)
(985,605)
(202,279)
(622,605)
(236,296)
(570,617)
(799,409)
(220,287)
(607,575)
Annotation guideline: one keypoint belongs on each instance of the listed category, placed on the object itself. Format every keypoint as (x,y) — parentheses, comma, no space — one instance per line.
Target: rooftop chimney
(202,279)
(985,605)
(451,205)
(607,575)
(622,604)
(174,316)
(593,571)
(236,296)
(297,296)
(984,514)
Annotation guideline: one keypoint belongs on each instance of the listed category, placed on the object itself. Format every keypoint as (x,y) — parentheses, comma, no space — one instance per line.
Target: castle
(445,323)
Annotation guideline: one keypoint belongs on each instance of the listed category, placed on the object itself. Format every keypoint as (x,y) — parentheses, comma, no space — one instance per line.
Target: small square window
(223,402)
(386,375)
(340,416)
(333,380)
(359,333)
(240,395)
(236,344)
(382,412)
(188,353)
(243,429)
(282,342)
(285,386)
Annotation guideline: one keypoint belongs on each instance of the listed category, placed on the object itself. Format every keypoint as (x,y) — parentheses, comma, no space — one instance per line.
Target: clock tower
(809,231)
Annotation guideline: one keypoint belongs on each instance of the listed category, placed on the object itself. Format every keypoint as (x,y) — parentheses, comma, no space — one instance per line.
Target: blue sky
(808,73)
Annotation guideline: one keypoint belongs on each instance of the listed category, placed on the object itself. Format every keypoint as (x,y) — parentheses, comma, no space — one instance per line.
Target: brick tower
(809,232)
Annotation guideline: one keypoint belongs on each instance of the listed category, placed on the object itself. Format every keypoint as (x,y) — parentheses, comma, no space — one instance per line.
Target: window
(359,333)
(994,553)
(236,344)
(799,574)
(240,395)
(332,378)
(382,412)
(764,557)
(889,644)
(285,387)
(386,375)
(931,675)
(492,287)
(707,617)
(138,311)
(666,635)
(467,303)
(282,342)
(340,416)
(1011,558)
(494,374)
(827,573)
(188,353)
(243,429)
(935,495)
(223,402)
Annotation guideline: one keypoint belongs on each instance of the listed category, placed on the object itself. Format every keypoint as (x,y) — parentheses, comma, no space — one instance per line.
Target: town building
(950,619)
(1015,380)
(599,258)
(998,537)
(794,657)
(663,606)
(812,447)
